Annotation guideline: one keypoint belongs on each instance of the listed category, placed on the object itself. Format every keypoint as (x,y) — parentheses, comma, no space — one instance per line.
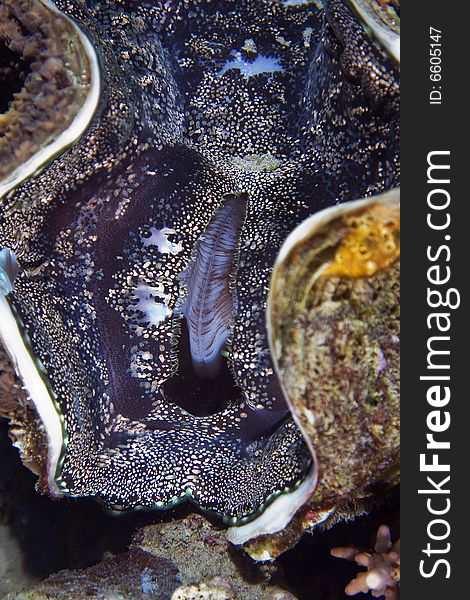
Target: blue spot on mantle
(262,64)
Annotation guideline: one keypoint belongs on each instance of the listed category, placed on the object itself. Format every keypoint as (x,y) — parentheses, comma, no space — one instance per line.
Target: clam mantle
(137,251)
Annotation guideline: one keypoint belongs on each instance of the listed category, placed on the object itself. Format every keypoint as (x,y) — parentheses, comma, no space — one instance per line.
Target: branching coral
(382,577)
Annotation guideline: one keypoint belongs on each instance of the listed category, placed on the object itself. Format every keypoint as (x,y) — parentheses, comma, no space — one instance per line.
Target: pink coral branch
(382,577)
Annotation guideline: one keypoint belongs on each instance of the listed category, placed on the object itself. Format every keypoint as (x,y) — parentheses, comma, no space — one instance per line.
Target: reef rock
(183,559)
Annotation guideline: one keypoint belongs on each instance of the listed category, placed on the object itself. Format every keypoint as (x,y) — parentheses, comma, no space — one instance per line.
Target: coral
(382,577)
(213,589)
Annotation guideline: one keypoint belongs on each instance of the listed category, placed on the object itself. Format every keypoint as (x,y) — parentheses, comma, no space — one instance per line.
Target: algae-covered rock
(203,553)
(183,559)
(220,589)
(135,574)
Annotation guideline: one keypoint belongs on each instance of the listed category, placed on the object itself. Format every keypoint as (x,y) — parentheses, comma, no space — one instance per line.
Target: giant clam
(136,262)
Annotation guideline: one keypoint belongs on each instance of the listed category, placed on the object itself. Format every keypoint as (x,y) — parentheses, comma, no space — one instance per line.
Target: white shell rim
(70,135)
(387,38)
(33,383)
(277,515)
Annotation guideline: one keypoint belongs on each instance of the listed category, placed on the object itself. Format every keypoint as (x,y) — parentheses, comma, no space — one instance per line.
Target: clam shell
(60,91)
(381,19)
(333,322)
